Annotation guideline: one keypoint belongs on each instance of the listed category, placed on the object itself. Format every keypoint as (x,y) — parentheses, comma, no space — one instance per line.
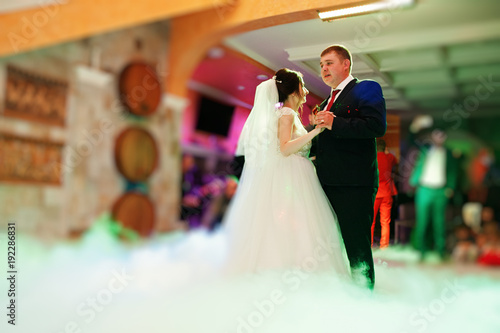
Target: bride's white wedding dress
(280,217)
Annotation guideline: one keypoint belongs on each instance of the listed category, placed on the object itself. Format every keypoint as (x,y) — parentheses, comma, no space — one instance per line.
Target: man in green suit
(435,178)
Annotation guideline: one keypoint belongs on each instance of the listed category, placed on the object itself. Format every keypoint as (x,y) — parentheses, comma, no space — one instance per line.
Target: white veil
(259,138)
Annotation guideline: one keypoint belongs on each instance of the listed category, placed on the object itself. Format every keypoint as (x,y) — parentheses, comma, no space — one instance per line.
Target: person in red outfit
(386,190)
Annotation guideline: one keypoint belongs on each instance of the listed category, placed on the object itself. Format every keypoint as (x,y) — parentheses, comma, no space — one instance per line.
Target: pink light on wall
(239,118)
(189,118)
(190,136)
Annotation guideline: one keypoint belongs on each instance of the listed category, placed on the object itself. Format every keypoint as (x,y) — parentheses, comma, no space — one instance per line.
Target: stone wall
(91,182)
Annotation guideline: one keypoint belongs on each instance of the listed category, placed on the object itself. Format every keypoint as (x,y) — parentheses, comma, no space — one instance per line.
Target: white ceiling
(427,58)
(14,5)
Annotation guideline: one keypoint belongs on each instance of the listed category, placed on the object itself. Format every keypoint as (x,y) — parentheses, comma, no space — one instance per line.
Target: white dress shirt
(434,168)
(340,87)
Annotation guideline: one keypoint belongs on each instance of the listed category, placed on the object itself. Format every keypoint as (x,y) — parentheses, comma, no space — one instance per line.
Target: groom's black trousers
(354,208)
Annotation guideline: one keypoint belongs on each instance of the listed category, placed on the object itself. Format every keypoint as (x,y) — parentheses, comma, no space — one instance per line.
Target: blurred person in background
(191,198)
(386,191)
(488,241)
(435,178)
(487,215)
(215,210)
(477,171)
(463,247)
(492,182)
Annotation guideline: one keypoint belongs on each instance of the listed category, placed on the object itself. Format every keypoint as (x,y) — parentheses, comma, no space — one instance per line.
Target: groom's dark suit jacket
(347,154)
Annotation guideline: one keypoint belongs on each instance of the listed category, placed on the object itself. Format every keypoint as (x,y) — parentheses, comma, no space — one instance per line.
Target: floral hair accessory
(278,81)
(278,105)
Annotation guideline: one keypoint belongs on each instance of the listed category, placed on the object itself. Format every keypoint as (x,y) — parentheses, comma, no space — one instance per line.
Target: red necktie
(334,93)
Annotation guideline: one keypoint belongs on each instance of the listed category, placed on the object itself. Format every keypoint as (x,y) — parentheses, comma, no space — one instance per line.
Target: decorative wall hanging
(136,154)
(30,160)
(139,89)
(135,211)
(34,97)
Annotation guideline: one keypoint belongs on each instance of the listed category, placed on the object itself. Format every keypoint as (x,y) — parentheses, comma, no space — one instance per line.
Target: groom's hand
(325,118)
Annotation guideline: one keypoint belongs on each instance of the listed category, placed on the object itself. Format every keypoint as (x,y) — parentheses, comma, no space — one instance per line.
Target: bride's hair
(288,82)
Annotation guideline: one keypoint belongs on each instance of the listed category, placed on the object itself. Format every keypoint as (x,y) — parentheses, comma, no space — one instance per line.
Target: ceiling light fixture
(216,52)
(364,9)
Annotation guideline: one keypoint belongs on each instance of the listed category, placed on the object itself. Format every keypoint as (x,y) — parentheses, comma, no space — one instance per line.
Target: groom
(346,155)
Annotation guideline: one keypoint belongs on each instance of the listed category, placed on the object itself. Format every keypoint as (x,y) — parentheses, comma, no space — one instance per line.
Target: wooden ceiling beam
(66,20)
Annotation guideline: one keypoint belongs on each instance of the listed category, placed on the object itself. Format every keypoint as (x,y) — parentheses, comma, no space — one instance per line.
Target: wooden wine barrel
(139,89)
(136,154)
(135,211)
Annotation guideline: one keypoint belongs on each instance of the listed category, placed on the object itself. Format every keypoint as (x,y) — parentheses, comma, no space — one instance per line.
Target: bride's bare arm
(285,130)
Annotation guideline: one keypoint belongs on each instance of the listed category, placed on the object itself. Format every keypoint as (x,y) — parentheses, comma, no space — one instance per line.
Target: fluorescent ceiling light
(368,8)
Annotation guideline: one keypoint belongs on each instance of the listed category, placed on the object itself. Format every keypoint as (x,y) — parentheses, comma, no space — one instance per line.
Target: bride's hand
(321,127)
(312,115)
(312,119)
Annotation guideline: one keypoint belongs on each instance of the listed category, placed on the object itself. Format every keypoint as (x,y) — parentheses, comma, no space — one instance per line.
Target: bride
(279,217)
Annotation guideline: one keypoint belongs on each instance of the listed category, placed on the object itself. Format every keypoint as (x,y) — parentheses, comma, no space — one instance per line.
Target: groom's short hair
(340,50)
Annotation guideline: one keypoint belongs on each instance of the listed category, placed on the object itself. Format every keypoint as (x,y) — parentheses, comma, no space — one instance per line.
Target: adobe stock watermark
(92,306)
(31,26)
(292,279)
(407,163)
(222,6)
(424,316)
(73,156)
(406,166)
(483,90)
(373,27)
